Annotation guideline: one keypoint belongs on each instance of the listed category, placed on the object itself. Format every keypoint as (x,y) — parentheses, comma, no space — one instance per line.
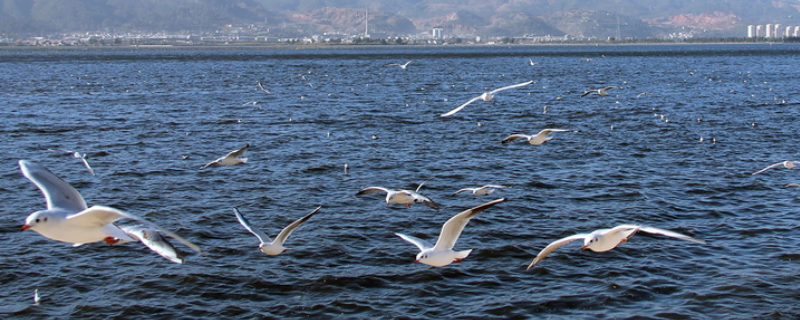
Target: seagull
(537,139)
(532,63)
(643,93)
(402,66)
(67,218)
(405,197)
(77,155)
(601,91)
(787,164)
(486,96)
(268,246)
(229,159)
(442,253)
(36,298)
(792,185)
(606,239)
(487,189)
(150,237)
(262,87)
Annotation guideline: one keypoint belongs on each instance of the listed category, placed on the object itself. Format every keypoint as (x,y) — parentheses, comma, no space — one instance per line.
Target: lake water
(137,111)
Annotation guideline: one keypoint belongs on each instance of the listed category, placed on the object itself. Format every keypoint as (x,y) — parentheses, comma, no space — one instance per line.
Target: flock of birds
(68,219)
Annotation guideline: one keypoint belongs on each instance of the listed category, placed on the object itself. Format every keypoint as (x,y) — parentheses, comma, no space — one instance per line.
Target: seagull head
(39,220)
(589,242)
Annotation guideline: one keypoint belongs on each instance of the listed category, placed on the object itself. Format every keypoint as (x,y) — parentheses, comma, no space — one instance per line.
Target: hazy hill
(595,18)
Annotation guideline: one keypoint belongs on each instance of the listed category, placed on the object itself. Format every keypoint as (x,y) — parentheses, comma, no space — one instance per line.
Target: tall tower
(366,23)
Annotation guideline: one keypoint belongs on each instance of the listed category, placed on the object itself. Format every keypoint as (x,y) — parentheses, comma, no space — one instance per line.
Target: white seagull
(405,197)
(792,185)
(481,191)
(606,239)
(601,91)
(67,218)
(486,96)
(150,237)
(402,66)
(77,155)
(442,253)
(537,139)
(532,63)
(267,245)
(786,164)
(229,159)
(262,87)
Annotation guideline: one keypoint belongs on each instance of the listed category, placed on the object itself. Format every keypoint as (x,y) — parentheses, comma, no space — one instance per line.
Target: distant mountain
(597,18)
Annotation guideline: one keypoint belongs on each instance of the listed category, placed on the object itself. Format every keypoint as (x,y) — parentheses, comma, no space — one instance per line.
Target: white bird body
(442,254)
(481,191)
(606,239)
(402,66)
(232,158)
(402,196)
(486,96)
(537,139)
(67,218)
(268,246)
(601,91)
(786,164)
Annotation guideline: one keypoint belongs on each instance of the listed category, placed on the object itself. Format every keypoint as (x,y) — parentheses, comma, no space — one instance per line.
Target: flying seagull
(229,159)
(537,139)
(267,245)
(601,91)
(486,96)
(402,66)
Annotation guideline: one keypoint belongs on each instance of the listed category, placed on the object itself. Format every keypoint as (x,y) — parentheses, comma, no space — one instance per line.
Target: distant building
(751,31)
(769,31)
(437,33)
(796,31)
(759,31)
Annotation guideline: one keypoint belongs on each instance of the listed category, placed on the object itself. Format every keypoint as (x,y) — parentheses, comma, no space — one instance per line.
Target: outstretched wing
(767,168)
(255,231)
(669,234)
(57,192)
(238,153)
(371,190)
(452,229)
(421,244)
(451,112)
(515,137)
(281,238)
(510,87)
(553,246)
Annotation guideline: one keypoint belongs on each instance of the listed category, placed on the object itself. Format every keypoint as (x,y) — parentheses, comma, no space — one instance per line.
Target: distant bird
(402,66)
(532,63)
(36,298)
(262,87)
(792,185)
(442,254)
(786,164)
(267,245)
(404,197)
(481,191)
(643,93)
(151,238)
(606,239)
(601,91)
(537,139)
(77,155)
(230,159)
(486,96)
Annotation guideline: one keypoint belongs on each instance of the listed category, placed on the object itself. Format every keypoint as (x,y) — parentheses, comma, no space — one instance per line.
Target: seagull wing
(238,153)
(153,240)
(86,163)
(770,167)
(492,186)
(462,190)
(99,216)
(510,87)
(515,137)
(420,198)
(421,184)
(421,244)
(281,238)
(255,231)
(555,245)
(57,192)
(451,229)
(391,64)
(371,190)
(669,234)
(460,107)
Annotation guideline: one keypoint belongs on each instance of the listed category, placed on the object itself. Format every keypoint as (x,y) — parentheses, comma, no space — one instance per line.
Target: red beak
(416,261)
(584,248)
(25,227)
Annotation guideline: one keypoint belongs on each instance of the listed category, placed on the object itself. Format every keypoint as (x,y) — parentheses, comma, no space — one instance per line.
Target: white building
(751,31)
(759,31)
(769,31)
(437,33)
